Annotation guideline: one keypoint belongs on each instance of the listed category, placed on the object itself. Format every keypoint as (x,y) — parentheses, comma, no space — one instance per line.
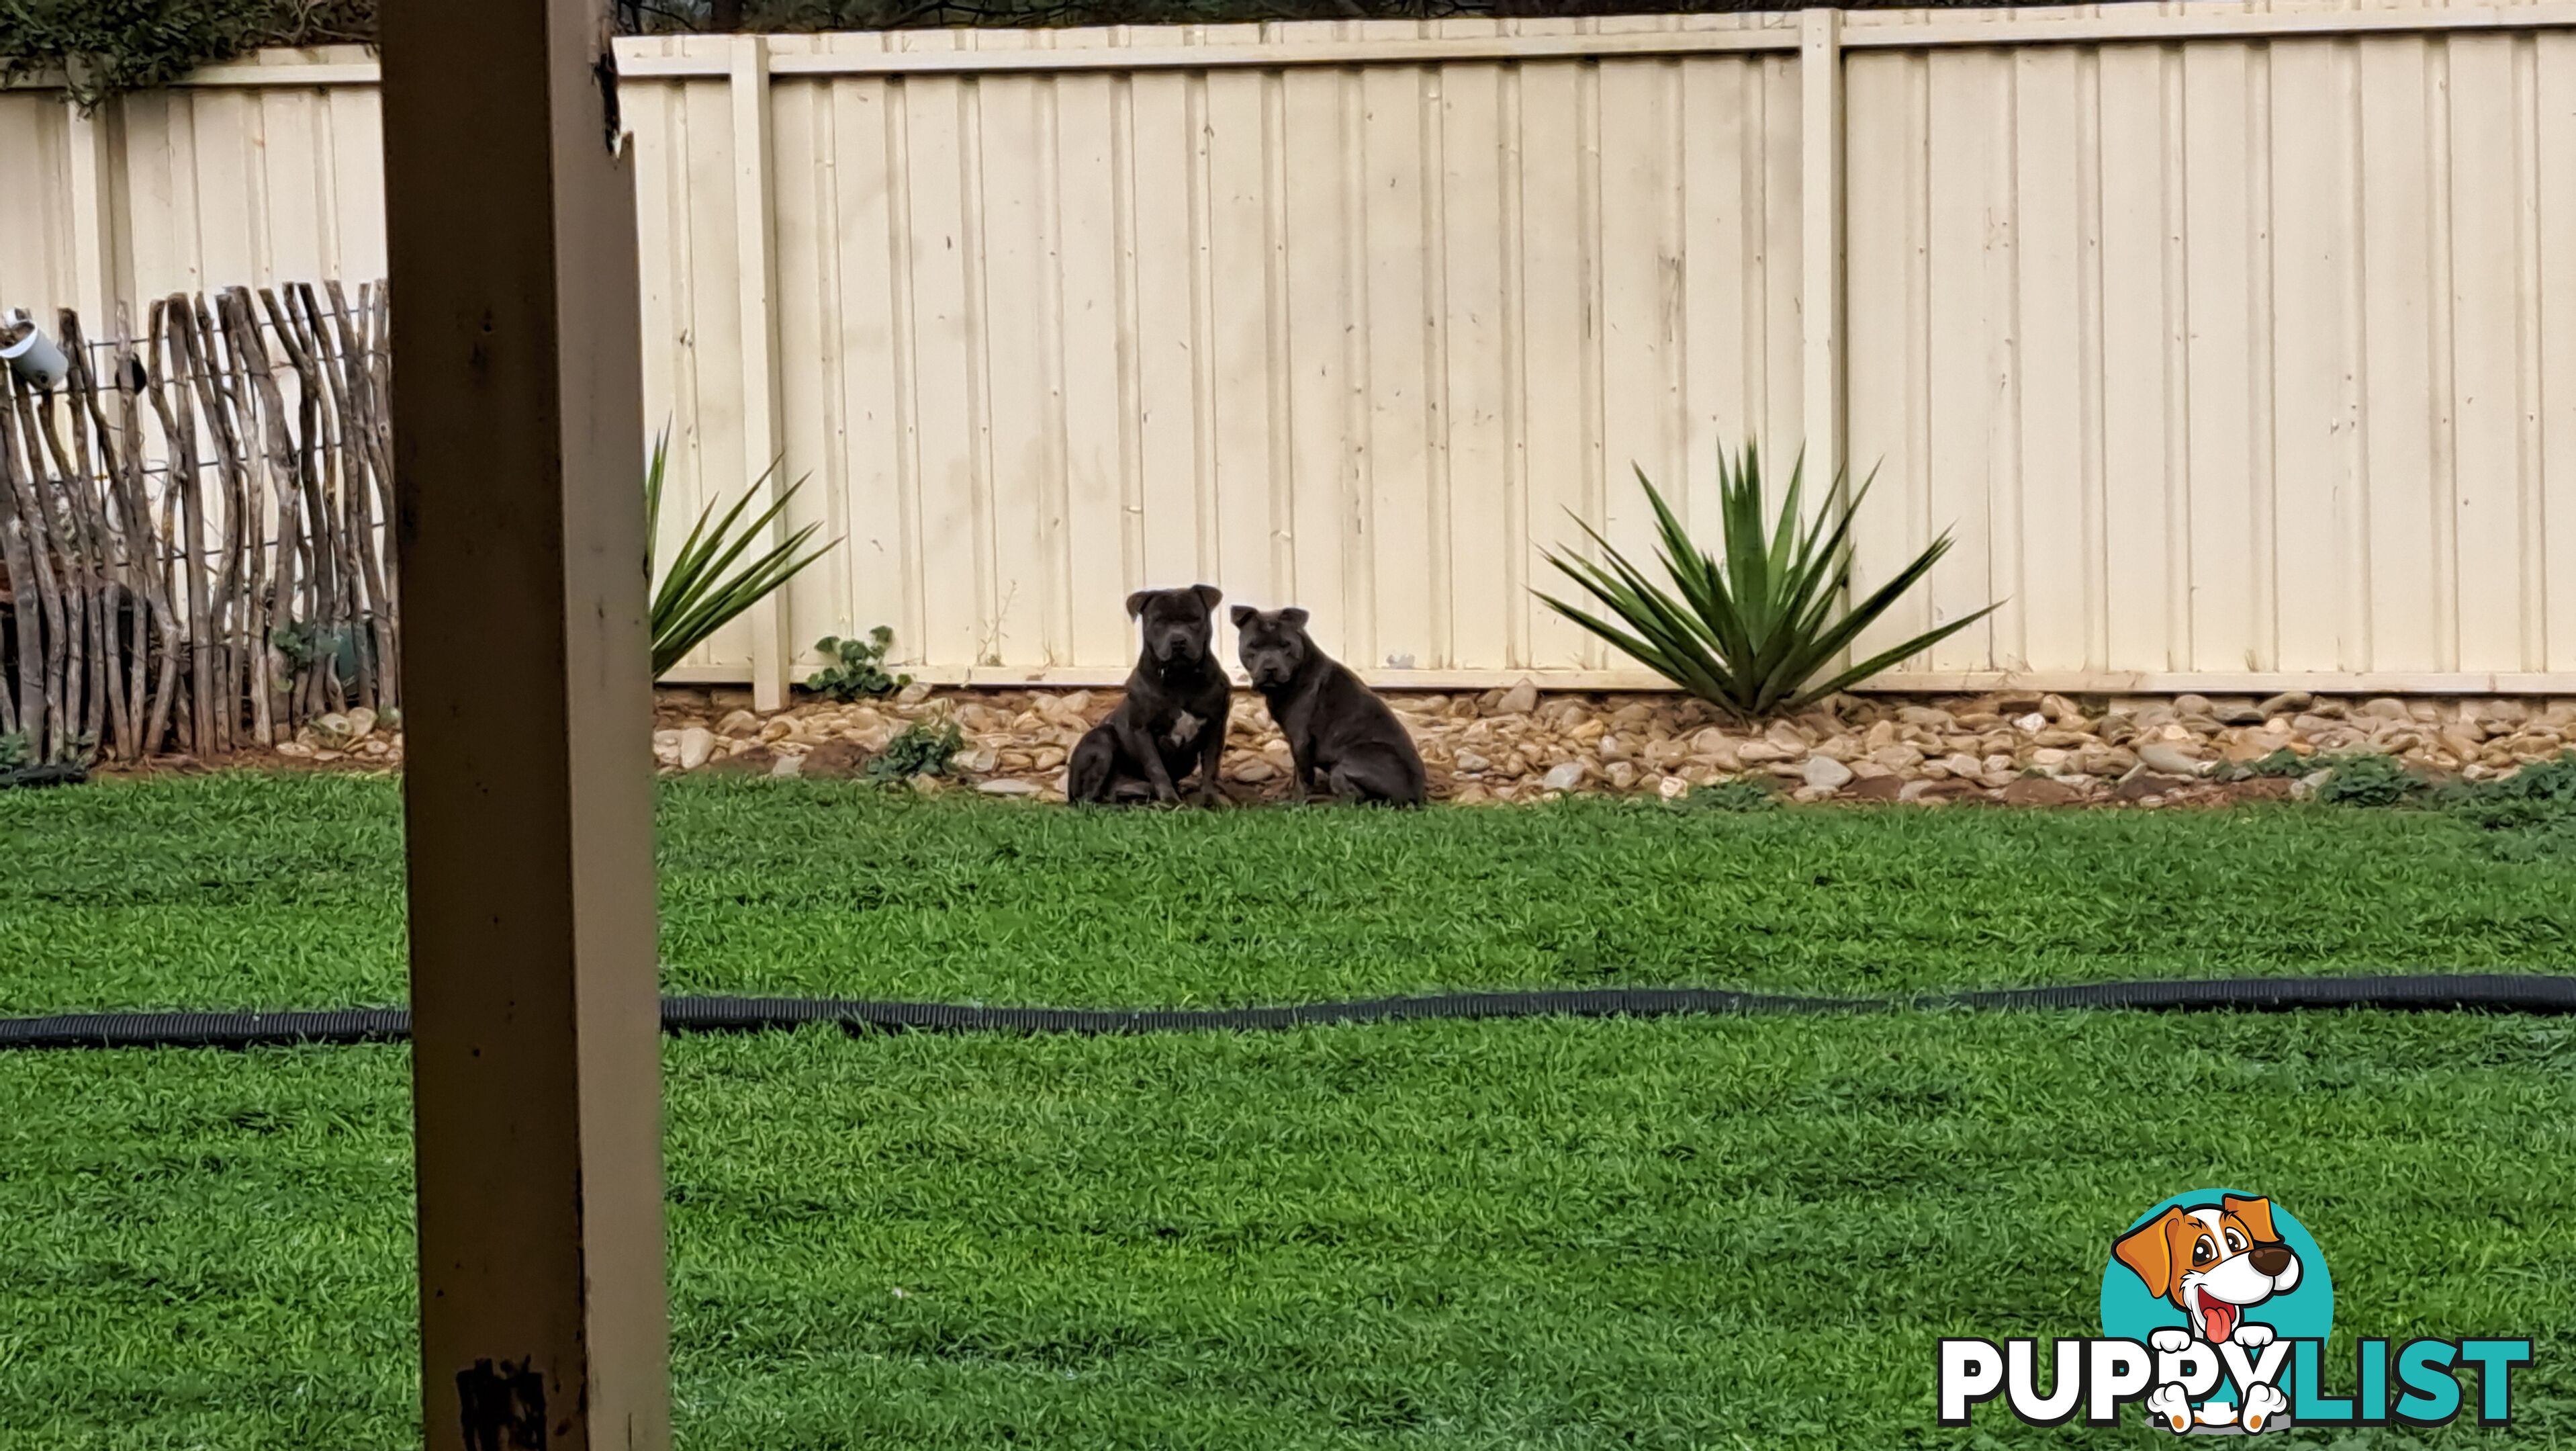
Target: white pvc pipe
(35,358)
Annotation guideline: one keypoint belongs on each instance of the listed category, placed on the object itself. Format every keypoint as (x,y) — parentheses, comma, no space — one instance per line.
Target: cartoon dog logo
(2213,1262)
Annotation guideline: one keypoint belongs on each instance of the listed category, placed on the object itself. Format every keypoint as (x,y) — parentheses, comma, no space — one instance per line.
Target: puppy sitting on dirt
(1336,727)
(1175,711)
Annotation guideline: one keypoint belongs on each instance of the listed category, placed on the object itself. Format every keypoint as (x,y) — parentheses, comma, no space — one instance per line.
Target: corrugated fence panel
(2553,174)
(1364,339)
(35,174)
(249,184)
(2230,359)
(693,360)
(2228,343)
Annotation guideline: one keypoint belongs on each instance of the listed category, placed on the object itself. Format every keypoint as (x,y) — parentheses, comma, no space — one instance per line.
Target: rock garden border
(1522,744)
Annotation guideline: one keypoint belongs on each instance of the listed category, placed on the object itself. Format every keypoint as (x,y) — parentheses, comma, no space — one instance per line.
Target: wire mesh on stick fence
(193,552)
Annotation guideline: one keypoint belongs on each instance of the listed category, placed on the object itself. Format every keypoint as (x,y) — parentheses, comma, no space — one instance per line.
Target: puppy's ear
(1243,616)
(1293,617)
(2257,1214)
(1136,602)
(1209,595)
(2149,1252)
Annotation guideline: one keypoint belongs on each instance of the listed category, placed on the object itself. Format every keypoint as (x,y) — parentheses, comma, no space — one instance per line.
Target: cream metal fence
(2237,344)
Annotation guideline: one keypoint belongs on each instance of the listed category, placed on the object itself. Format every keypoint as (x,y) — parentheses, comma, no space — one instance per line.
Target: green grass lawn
(247,891)
(1678,1233)
(1672,1234)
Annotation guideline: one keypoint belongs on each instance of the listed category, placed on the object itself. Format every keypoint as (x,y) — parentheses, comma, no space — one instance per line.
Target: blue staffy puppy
(1173,718)
(1337,728)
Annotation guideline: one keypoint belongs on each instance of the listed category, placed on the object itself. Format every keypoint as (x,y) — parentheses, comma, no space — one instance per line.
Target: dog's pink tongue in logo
(2220,1316)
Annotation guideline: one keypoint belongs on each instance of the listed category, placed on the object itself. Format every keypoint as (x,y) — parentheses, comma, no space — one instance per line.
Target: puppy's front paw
(2169,1339)
(2169,1405)
(2250,1334)
(2261,1404)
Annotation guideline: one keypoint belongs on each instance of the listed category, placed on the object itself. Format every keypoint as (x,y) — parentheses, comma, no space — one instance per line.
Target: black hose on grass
(2486,992)
(207,1030)
(60,773)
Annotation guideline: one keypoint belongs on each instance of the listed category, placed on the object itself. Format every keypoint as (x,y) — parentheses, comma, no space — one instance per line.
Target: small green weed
(2283,763)
(857,669)
(309,644)
(300,641)
(923,748)
(2527,816)
(20,759)
(2541,794)
(1743,793)
(2530,815)
(2367,780)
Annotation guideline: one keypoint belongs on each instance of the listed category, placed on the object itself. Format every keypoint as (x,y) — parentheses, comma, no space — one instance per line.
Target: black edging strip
(2471,992)
(63,773)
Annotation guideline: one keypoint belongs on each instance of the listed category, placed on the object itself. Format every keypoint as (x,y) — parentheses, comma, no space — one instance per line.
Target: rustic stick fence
(222,577)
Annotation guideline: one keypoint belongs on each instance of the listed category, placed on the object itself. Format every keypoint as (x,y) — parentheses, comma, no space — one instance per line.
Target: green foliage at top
(108,47)
(1760,630)
(710,583)
(857,668)
(669,16)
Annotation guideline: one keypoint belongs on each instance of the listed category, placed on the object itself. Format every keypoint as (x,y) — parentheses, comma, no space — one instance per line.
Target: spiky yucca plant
(710,583)
(1751,632)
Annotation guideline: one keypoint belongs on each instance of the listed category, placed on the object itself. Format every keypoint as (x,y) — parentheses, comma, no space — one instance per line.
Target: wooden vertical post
(518,466)
(1820,277)
(763,417)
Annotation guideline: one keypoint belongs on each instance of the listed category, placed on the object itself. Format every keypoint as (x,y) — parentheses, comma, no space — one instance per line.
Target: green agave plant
(1751,632)
(710,582)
